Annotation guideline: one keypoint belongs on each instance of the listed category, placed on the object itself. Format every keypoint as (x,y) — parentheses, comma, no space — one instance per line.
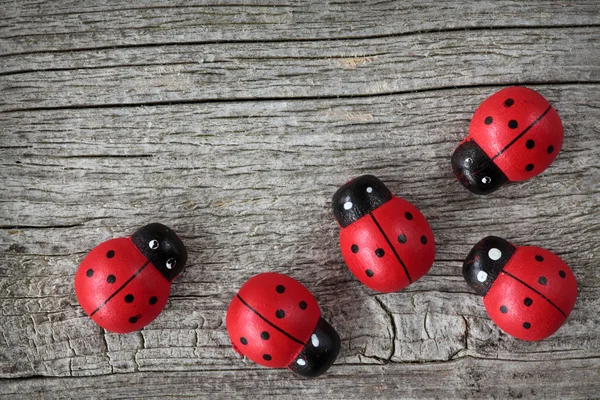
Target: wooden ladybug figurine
(124,283)
(527,291)
(514,135)
(276,322)
(385,240)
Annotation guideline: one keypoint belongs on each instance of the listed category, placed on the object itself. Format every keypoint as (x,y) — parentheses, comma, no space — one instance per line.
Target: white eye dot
(301,362)
(369,189)
(314,340)
(347,205)
(153,244)
(468,160)
(494,254)
(481,276)
(171,263)
(486,179)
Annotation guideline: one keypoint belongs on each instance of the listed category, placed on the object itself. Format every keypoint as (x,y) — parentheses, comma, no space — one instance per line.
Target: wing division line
(547,299)
(269,322)
(121,288)
(392,247)
(520,135)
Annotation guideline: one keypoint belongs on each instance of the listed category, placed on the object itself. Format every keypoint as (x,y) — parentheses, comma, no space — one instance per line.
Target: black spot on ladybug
(539,258)
(423,240)
(402,238)
(379,252)
(89,273)
(512,124)
(153,300)
(134,319)
(408,215)
(550,149)
(354,248)
(265,335)
(280,313)
(528,301)
(503,309)
(129,298)
(562,274)
(530,144)
(526,325)
(529,167)
(302,305)
(542,280)
(508,102)
(266,357)
(243,341)
(280,288)
(488,120)
(111,279)
(369,273)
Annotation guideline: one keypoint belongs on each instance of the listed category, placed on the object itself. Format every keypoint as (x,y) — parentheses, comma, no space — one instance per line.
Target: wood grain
(237,135)
(484,379)
(333,69)
(66,25)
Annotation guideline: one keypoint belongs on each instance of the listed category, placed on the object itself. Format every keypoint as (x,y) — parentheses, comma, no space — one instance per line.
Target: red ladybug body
(385,240)
(276,322)
(124,283)
(514,135)
(527,291)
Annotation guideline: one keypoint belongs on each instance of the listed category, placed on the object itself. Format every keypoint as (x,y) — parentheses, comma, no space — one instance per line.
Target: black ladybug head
(319,353)
(475,170)
(485,261)
(162,247)
(357,198)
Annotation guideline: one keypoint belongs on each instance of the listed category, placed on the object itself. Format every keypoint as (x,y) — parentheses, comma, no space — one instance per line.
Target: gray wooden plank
(465,378)
(34,26)
(234,122)
(248,186)
(251,71)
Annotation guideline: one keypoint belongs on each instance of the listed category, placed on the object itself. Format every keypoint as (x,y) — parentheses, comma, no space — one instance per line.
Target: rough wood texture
(234,123)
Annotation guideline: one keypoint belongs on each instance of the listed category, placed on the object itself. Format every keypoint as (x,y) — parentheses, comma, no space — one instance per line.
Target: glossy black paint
(363,201)
(479,260)
(317,359)
(475,170)
(169,248)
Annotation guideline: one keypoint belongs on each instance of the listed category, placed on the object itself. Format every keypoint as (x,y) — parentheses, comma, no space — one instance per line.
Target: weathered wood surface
(234,123)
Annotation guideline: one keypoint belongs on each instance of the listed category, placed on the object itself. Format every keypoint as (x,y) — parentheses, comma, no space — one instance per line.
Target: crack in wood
(258,99)
(425,326)
(393,331)
(106,352)
(440,31)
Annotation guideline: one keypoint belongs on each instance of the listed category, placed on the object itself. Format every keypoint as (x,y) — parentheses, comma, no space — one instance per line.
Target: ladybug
(276,322)
(527,291)
(385,240)
(515,134)
(124,283)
